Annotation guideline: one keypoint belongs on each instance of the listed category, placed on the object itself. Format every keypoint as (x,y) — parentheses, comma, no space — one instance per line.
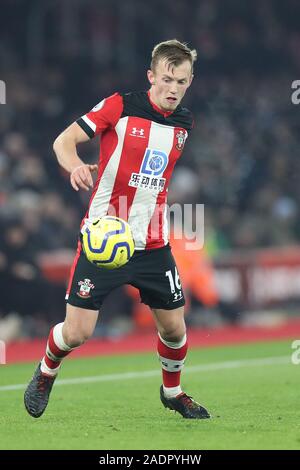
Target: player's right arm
(66,152)
(103,116)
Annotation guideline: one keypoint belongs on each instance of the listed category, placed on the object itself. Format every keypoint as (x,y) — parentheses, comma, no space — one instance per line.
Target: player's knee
(173,332)
(75,336)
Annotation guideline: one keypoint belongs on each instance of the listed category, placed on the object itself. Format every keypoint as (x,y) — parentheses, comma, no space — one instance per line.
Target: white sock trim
(171,392)
(59,339)
(46,370)
(171,344)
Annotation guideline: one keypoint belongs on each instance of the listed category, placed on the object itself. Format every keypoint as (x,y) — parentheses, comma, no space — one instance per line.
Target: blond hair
(173,52)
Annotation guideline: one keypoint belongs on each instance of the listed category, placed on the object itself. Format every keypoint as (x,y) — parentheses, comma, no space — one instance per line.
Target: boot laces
(188,401)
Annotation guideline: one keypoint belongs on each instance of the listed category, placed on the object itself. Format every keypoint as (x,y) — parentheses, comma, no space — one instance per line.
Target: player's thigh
(79,323)
(170,323)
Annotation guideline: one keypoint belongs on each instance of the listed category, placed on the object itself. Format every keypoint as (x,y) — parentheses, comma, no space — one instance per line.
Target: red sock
(56,350)
(171,356)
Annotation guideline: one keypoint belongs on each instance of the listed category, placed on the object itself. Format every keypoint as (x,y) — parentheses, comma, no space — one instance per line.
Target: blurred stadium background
(59,58)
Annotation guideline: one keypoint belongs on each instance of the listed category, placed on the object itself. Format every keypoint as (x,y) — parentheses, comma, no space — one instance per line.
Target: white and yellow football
(107,242)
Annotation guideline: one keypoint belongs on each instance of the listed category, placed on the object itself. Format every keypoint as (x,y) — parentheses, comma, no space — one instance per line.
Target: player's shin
(172,356)
(56,350)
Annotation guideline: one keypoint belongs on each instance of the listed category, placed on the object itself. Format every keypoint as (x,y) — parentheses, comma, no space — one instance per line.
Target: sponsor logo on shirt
(150,175)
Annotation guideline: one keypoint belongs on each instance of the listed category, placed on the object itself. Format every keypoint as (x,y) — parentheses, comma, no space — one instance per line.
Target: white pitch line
(152,373)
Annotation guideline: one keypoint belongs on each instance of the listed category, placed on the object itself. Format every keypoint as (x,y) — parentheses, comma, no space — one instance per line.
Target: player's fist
(81,177)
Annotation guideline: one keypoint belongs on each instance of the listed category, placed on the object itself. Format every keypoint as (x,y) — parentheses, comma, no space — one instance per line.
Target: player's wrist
(76,167)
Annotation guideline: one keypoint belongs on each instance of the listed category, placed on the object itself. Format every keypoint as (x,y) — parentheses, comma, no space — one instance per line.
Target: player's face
(169,84)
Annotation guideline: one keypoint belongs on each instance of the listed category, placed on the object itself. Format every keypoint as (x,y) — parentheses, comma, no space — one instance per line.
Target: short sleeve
(104,115)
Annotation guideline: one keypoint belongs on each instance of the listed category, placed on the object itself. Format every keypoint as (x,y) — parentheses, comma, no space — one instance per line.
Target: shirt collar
(160,111)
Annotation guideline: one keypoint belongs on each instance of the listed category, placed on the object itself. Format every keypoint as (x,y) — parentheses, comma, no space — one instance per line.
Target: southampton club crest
(85,288)
(181,138)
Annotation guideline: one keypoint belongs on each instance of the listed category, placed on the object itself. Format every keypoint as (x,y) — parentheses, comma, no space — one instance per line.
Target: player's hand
(81,177)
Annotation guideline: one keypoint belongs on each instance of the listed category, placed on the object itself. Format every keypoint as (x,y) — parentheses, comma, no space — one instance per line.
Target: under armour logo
(137,132)
(177,296)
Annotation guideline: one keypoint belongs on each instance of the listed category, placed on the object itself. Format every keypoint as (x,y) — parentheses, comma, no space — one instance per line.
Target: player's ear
(191,79)
(151,77)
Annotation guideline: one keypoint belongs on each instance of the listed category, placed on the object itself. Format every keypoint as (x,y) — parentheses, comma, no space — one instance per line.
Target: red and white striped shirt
(140,145)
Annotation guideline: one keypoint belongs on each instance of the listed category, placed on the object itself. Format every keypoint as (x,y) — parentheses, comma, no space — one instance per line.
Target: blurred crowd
(241,159)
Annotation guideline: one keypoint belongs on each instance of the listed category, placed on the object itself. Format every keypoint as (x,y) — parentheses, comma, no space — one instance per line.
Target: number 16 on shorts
(175,284)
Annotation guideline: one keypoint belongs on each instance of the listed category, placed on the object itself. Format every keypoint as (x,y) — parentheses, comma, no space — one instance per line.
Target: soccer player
(142,137)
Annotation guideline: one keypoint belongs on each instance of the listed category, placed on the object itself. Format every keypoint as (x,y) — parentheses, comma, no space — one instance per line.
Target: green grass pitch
(251,390)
